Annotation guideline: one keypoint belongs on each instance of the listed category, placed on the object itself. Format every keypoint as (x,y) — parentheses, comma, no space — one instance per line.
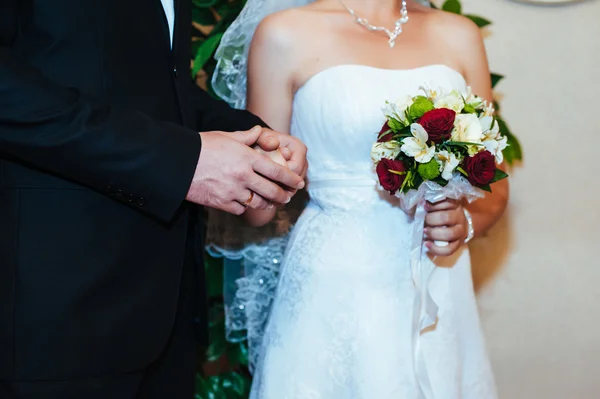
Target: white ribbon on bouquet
(426,309)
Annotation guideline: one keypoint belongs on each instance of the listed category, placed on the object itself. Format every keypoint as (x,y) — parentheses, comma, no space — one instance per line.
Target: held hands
(230,172)
(292,150)
(445,221)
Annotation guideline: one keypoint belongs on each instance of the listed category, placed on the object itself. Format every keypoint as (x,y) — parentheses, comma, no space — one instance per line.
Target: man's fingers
(255,201)
(268,140)
(277,173)
(249,137)
(267,189)
(234,208)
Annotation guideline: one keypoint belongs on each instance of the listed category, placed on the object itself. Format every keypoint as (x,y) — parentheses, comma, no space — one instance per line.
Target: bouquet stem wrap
(425,313)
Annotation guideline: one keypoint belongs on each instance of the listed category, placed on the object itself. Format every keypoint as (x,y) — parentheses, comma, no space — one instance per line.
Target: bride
(341,308)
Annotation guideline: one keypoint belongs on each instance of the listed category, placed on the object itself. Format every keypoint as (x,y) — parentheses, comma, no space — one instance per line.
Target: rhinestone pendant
(393,36)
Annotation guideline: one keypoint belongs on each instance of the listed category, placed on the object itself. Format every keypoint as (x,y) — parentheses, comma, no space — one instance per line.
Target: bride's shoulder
(455,30)
(288,32)
(286,26)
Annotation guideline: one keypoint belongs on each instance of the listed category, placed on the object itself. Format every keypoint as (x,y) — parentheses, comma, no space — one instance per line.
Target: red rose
(480,168)
(390,181)
(438,123)
(382,136)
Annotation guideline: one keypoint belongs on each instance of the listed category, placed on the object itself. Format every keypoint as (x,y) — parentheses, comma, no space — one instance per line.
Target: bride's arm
(446,221)
(270,86)
(486,211)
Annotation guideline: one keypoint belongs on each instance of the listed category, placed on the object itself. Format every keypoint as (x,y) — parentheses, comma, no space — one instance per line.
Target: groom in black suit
(100,253)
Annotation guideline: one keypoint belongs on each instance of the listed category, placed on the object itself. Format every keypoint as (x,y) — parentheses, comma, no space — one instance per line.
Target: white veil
(252,257)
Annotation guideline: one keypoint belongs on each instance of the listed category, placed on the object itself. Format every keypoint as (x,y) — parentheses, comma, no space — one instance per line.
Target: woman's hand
(445,221)
(278,155)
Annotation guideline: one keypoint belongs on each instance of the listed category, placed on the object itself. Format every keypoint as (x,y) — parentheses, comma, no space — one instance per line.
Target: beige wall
(538,273)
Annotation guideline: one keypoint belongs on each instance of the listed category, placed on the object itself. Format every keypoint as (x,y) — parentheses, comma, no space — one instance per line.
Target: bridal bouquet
(437,137)
(432,147)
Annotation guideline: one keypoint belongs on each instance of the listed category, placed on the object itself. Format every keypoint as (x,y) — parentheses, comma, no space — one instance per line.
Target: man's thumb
(248,137)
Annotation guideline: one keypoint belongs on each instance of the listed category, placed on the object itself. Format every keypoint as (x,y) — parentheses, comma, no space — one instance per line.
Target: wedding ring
(249,200)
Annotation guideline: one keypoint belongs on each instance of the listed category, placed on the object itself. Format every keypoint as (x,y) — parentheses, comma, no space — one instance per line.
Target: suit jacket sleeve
(213,114)
(83,139)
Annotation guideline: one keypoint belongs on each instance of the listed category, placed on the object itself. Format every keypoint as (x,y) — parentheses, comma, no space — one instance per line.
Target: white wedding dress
(341,325)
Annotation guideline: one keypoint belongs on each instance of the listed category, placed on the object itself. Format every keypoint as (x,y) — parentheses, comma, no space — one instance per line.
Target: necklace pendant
(393,36)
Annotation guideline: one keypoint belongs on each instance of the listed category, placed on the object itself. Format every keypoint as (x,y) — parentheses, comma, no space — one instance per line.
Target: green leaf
(479,21)
(204,3)
(496,78)
(395,125)
(238,354)
(500,174)
(469,109)
(486,188)
(205,51)
(203,16)
(418,108)
(514,151)
(217,347)
(452,6)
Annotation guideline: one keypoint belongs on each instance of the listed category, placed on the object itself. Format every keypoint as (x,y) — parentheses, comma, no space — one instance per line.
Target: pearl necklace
(392,34)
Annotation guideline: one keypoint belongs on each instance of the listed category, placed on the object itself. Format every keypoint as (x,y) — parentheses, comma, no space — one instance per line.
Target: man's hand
(292,149)
(230,172)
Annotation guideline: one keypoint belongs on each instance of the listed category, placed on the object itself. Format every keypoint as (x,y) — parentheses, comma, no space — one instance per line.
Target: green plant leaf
(238,354)
(479,21)
(496,78)
(500,174)
(205,51)
(453,6)
(217,347)
(204,3)
(514,151)
(487,188)
(203,16)
(419,107)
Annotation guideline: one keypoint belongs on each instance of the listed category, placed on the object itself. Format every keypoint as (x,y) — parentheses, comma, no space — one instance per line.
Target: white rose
(453,101)
(467,129)
(388,149)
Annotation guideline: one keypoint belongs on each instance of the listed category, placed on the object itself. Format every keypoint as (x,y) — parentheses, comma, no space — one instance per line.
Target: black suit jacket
(98,145)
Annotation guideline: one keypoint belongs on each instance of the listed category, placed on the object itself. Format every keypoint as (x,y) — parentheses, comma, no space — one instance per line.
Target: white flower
(388,149)
(429,93)
(490,128)
(496,147)
(448,163)
(397,110)
(493,141)
(488,109)
(453,101)
(467,129)
(473,100)
(416,146)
